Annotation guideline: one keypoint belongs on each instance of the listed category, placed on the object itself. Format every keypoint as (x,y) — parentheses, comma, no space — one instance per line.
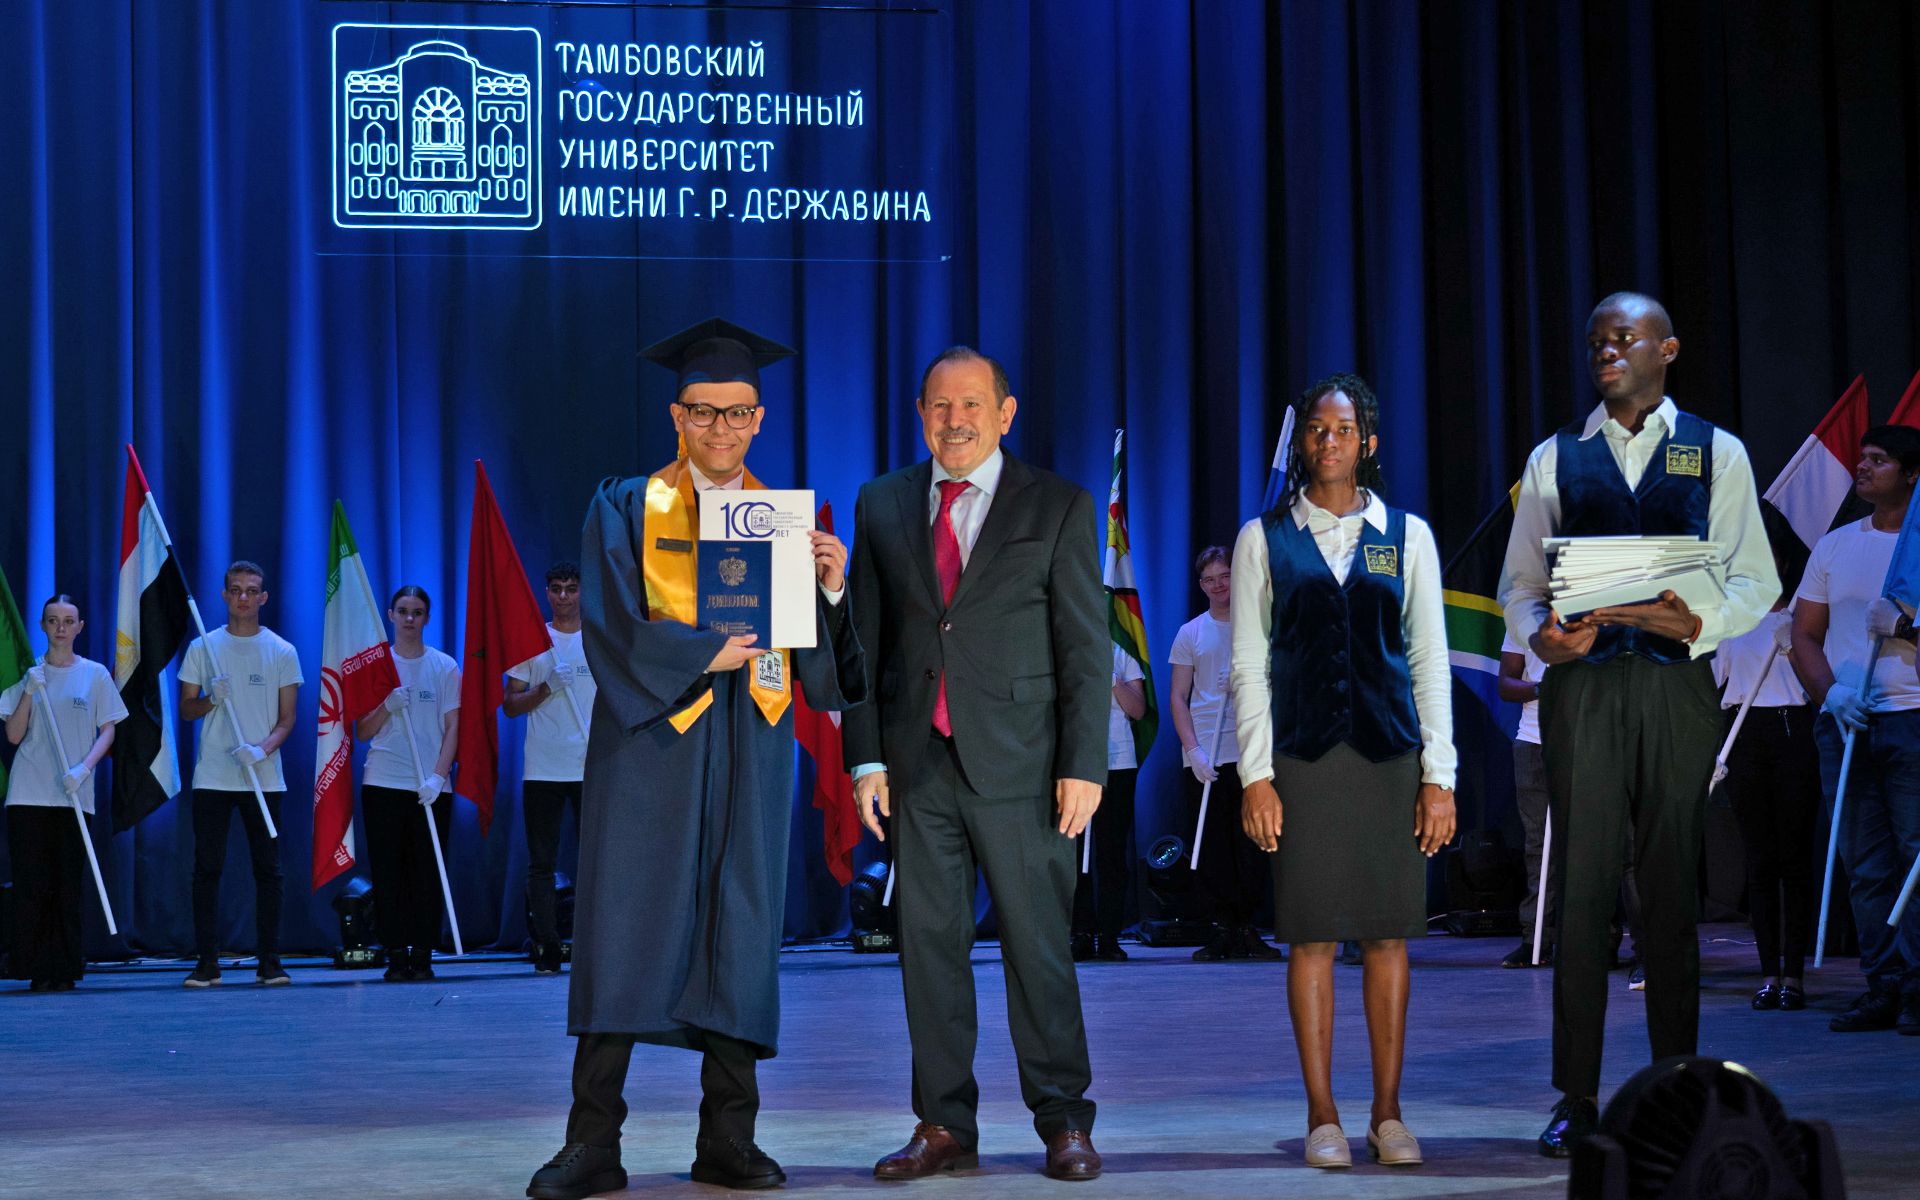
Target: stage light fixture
(873,922)
(1172,887)
(354,905)
(1690,1128)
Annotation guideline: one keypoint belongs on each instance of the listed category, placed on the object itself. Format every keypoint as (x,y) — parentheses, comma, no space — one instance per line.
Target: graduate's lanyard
(669,567)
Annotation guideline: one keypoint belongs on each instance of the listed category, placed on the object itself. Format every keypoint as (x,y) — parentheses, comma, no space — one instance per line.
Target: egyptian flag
(504,629)
(819,735)
(151,624)
(1819,477)
(1907,412)
(356,674)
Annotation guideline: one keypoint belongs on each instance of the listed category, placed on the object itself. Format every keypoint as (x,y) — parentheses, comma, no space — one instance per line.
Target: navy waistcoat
(1672,500)
(1340,669)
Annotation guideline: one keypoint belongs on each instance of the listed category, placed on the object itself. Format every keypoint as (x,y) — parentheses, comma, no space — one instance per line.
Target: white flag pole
(433,832)
(886,898)
(1206,789)
(1839,799)
(1739,719)
(1086,848)
(79,817)
(1540,899)
(213,664)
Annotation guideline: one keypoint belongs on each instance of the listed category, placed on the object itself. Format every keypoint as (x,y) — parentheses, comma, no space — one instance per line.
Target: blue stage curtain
(1171,216)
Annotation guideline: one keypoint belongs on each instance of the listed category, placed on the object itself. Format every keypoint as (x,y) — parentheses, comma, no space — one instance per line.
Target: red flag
(1817,480)
(1907,412)
(504,629)
(819,735)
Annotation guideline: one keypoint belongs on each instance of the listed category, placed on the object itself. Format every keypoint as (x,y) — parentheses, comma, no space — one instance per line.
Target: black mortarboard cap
(716,351)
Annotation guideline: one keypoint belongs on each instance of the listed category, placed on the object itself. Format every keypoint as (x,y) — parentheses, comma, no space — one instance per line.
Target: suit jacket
(1024,643)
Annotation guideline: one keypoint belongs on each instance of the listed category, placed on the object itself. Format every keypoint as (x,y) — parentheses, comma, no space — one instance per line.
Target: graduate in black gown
(688,790)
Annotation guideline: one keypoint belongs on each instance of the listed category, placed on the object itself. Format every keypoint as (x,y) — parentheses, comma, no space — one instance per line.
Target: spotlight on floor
(1174,890)
(873,921)
(1703,1129)
(354,904)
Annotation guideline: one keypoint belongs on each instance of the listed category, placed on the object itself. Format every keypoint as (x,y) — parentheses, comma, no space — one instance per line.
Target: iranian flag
(356,675)
(1124,623)
(1819,477)
(150,623)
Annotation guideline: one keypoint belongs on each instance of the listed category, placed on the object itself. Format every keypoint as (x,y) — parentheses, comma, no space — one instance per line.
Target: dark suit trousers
(729,1087)
(542,803)
(943,829)
(1100,896)
(1629,746)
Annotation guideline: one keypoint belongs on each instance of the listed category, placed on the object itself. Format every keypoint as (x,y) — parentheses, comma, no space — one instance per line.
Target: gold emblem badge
(1683,460)
(1382,560)
(732,571)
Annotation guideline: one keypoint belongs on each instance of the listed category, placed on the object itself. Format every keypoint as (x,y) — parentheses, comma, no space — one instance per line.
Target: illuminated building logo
(445,135)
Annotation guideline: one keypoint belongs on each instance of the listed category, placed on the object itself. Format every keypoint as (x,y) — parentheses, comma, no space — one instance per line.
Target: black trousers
(1629,745)
(1773,777)
(729,1088)
(1235,875)
(542,803)
(1100,896)
(212,818)
(49,877)
(943,830)
(406,881)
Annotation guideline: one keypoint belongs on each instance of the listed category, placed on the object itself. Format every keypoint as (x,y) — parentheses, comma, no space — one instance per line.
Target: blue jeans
(1879,836)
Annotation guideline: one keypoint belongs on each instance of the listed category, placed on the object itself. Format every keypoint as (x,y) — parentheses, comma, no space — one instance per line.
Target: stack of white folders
(1607,572)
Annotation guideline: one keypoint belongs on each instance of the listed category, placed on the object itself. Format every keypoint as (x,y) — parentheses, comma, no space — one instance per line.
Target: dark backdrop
(1170,216)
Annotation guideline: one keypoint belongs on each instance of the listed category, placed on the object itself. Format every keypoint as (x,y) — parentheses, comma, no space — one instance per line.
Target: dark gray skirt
(1348,865)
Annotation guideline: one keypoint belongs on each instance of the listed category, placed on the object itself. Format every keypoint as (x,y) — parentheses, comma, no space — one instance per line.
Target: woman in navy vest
(1341,687)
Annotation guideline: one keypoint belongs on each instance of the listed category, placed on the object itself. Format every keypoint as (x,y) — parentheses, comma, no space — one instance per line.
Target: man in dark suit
(976,588)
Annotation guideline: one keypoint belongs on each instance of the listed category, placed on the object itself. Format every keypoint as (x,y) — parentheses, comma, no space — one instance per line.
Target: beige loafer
(1394,1145)
(1327,1147)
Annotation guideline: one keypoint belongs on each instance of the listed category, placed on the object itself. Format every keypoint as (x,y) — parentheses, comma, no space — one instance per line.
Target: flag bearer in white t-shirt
(256,674)
(43,840)
(406,879)
(556,756)
(1835,619)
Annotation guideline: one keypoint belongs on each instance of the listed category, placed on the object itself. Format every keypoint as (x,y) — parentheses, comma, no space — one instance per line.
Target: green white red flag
(356,675)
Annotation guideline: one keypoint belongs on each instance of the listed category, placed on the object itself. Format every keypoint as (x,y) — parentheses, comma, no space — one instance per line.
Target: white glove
(398,699)
(1883,618)
(430,790)
(1848,709)
(1783,636)
(219,689)
(36,680)
(1202,769)
(248,755)
(561,679)
(75,779)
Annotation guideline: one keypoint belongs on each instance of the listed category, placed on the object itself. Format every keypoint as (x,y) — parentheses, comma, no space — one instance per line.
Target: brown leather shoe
(930,1150)
(1070,1155)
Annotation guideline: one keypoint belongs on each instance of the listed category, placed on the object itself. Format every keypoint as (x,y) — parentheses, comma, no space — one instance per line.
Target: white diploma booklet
(783,518)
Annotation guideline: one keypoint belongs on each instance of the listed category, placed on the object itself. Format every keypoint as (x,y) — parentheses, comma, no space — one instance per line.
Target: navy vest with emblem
(1339,654)
(1672,500)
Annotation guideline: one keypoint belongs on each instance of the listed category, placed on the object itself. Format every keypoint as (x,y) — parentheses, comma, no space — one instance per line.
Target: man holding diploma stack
(1629,715)
(688,794)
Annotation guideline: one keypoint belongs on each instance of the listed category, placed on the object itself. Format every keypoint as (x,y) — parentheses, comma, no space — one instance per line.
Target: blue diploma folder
(736,589)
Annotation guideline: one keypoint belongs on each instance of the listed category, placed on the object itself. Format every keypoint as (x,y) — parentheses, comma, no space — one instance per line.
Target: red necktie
(946,561)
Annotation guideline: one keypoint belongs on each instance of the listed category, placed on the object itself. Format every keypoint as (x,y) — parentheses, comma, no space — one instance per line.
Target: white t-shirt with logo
(431,681)
(259,666)
(1846,572)
(83,699)
(1206,645)
(1121,755)
(556,748)
(1529,730)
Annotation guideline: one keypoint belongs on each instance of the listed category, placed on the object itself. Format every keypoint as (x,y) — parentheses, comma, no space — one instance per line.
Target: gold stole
(673,595)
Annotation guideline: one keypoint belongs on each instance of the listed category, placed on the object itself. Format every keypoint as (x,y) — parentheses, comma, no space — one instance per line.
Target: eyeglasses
(251,593)
(736,417)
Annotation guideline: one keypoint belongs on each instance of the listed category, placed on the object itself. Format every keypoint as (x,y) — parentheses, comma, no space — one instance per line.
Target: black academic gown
(683,841)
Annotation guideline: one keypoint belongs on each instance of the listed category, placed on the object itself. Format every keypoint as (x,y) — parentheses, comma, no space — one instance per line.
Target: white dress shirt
(1422,621)
(1733,520)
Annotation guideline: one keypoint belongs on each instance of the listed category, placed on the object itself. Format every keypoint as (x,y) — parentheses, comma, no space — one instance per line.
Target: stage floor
(345,1086)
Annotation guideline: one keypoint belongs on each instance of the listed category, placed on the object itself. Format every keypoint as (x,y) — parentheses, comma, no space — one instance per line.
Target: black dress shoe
(1521,956)
(399,966)
(1574,1120)
(1767,997)
(578,1171)
(421,964)
(1249,944)
(1108,950)
(40,985)
(1908,1024)
(1792,999)
(734,1163)
(1082,946)
(1350,955)
(1219,947)
(1876,1009)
